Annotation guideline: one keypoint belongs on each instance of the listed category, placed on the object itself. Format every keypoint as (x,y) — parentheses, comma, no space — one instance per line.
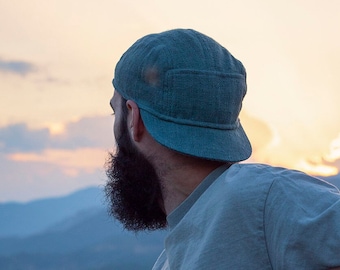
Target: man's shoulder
(243,173)
(248,180)
(242,185)
(255,175)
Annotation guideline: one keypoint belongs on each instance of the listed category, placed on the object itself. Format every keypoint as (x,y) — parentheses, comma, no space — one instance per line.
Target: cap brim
(229,145)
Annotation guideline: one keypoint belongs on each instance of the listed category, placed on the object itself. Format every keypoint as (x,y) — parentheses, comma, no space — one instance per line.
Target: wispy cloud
(70,162)
(16,67)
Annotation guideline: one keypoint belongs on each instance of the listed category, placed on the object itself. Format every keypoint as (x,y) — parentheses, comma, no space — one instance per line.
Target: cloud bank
(39,163)
(90,132)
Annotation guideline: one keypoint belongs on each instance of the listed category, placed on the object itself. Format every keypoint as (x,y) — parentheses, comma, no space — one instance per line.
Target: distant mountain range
(71,232)
(74,233)
(23,219)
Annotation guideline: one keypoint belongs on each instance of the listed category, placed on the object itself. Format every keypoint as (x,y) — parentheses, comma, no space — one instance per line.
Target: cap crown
(183,77)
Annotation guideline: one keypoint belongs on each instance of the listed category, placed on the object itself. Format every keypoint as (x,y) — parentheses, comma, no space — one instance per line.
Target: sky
(57,59)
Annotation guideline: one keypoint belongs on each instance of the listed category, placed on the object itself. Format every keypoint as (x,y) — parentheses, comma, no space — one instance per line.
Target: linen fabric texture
(255,217)
(189,90)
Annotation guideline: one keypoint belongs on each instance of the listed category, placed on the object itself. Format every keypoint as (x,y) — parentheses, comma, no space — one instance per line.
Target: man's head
(187,91)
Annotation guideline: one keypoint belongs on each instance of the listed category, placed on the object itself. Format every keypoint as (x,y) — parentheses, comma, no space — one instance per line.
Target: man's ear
(135,123)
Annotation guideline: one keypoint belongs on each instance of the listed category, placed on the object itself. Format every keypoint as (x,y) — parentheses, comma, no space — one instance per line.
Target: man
(177,99)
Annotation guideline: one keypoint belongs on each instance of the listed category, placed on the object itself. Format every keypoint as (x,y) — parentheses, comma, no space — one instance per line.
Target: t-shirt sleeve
(302,223)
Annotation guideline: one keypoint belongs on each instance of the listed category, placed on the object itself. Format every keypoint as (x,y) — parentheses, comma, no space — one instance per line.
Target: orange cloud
(304,152)
(317,167)
(326,164)
(71,162)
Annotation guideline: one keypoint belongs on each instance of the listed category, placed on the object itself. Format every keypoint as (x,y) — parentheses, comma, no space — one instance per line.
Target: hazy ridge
(74,232)
(83,236)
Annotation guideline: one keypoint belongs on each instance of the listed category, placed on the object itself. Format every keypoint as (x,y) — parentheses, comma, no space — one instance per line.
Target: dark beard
(133,188)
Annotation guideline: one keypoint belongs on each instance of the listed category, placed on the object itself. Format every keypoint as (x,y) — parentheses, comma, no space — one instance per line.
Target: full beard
(133,188)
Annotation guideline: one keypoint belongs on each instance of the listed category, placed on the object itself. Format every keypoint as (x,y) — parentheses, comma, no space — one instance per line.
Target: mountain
(74,232)
(23,219)
(84,239)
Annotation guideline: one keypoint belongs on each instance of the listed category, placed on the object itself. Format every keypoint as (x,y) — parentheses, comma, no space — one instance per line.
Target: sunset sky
(56,65)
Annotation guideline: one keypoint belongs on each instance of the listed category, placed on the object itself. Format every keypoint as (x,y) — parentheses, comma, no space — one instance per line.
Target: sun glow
(316,169)
(56,128)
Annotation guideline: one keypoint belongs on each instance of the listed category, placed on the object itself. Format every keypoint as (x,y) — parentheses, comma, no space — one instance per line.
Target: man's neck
(180,176)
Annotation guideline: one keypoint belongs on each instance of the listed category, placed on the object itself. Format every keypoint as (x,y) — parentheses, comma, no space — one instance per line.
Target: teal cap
(189,90)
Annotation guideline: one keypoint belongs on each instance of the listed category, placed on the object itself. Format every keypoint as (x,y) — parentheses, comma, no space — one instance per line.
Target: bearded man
(177,99)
